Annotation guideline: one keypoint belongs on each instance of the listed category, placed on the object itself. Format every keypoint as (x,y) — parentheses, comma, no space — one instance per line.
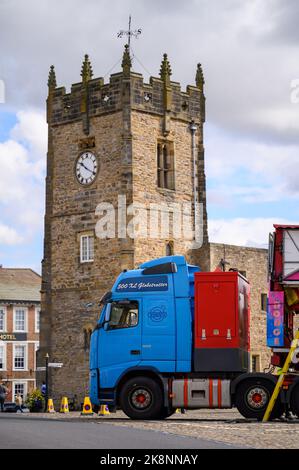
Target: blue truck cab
(145,325)
(170,336)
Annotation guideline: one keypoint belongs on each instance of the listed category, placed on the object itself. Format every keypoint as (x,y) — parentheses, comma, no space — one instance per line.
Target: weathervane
(129,33)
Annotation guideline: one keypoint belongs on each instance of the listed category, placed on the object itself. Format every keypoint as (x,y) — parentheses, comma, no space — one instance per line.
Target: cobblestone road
(228,427)
(223,426)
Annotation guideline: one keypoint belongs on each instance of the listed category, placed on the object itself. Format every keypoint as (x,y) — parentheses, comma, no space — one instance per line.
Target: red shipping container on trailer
(221,322)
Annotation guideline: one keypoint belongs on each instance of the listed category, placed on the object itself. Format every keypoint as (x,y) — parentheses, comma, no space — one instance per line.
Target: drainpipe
(193,129)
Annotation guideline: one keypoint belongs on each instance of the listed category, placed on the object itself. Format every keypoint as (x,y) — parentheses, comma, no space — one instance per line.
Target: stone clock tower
(123,142)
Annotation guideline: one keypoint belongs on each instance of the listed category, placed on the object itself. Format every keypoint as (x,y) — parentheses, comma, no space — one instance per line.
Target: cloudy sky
(250,56)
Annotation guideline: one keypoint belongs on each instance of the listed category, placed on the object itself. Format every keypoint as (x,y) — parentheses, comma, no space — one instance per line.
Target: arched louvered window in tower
(165,165)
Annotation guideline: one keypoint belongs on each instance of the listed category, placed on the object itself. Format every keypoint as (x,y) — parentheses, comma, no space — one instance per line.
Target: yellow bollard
(104,410)
(180,410)
(50,406)
(64,407)
(87,408)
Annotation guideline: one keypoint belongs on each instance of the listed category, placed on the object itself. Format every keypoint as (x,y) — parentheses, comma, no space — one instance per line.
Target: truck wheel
(165,413)
(295,401)
(252,398)
(141,398)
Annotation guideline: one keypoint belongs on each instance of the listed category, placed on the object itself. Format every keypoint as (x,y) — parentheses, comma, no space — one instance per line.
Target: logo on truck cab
(157,314)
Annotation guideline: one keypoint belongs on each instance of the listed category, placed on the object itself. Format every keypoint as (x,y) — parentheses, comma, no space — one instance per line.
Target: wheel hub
(141,398)
(257,397)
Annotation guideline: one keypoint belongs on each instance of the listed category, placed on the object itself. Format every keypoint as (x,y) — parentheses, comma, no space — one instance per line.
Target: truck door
(158,333)
(120,339)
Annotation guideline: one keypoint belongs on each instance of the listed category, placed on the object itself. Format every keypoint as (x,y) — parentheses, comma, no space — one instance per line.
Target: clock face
(86,168)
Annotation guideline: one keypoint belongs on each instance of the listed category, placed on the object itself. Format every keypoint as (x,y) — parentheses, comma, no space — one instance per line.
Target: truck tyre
(294,402)
(141,398)
(166,412)
(252,398)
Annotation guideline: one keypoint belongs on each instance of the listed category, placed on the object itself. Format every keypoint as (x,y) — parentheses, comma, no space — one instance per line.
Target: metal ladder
(280,380)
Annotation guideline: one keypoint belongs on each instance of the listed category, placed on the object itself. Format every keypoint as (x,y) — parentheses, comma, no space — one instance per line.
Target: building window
(2,319)
(165,165)
(255,363)
(169,249)
(37,320)
(36,348)
(19,388)
(2,357)
(86,248)
(20,319)
(19,357)
(264,302)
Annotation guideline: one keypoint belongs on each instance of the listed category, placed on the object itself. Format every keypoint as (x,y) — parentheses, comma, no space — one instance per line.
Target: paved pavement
(227,426)
(38,432)
(196,429)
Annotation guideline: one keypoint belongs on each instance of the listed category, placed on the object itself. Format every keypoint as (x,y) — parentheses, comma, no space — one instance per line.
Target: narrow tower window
(169,249)
(165,165)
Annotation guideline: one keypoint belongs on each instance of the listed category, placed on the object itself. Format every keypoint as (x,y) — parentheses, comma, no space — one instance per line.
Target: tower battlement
(94,97)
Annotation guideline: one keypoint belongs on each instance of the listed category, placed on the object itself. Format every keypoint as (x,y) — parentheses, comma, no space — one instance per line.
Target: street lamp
(47,381)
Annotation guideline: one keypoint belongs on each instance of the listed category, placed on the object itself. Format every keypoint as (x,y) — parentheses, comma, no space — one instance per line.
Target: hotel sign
(13,336)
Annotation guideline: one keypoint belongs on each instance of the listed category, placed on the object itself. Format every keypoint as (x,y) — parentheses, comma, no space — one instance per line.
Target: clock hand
(82,164)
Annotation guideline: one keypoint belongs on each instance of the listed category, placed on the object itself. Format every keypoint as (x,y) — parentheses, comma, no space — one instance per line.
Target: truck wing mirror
(106,319)
(108,313)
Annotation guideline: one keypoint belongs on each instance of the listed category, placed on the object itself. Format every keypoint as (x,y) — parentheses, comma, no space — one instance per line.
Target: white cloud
(282,120)
(252,171)
(249,60)
(244,231)
(9,236)
(15,168)
(31,130)
(22,162)
(248,75)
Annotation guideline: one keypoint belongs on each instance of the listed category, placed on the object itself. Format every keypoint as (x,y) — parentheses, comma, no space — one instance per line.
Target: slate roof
(19,285)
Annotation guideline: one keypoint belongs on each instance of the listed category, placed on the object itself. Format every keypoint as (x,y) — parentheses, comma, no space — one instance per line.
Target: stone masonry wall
(147,130)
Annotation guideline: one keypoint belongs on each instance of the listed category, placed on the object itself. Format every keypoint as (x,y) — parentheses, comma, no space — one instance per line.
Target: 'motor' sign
(275,328)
